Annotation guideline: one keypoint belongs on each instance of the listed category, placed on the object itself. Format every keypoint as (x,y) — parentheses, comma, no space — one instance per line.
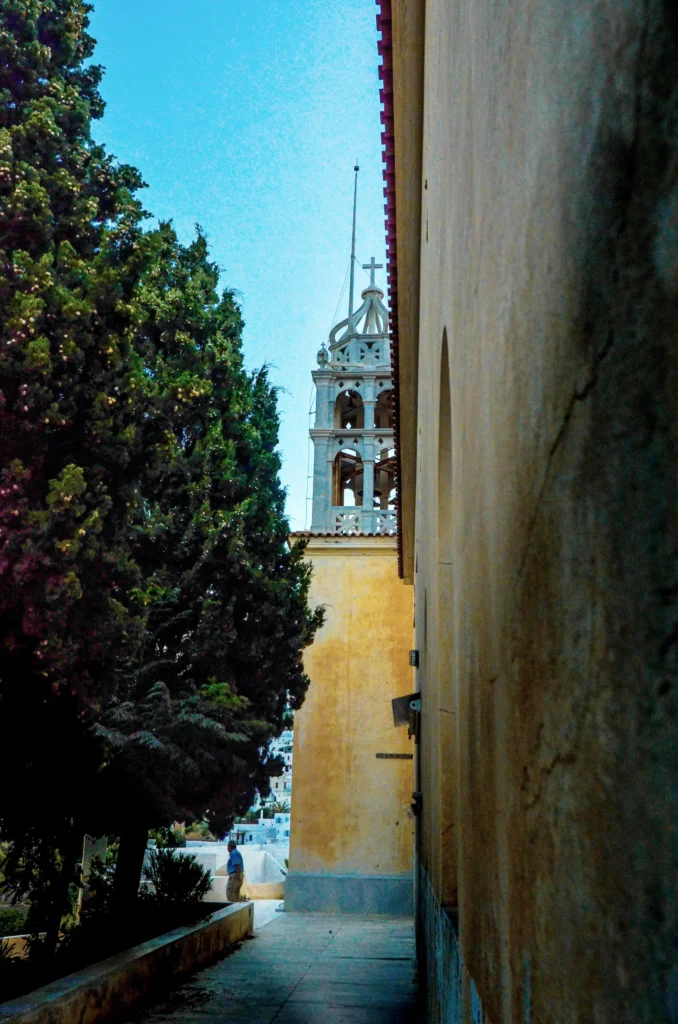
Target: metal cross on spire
(372,266)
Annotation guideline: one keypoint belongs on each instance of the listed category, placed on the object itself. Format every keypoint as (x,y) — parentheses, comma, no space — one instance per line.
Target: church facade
(351,823)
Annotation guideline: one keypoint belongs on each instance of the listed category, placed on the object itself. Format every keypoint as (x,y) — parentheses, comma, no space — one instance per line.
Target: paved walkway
(305,969)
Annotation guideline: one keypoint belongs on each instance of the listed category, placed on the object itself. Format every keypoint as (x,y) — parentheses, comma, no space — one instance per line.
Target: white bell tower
(354,457)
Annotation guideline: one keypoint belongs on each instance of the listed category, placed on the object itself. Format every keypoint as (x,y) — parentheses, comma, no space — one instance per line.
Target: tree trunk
(130,861)
(59,904)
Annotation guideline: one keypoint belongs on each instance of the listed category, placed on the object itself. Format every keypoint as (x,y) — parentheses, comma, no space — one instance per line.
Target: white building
(281,785)
(258,832)
(282,827)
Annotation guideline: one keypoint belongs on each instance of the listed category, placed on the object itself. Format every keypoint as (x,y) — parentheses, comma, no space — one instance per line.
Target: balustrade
(358,352)
(349,521)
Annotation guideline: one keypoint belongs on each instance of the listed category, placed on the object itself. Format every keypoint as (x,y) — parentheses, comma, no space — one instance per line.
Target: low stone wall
(249,891)
(264,890)
(111,987)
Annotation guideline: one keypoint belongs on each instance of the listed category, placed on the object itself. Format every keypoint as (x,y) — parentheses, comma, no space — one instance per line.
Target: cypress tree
(152,617)
(228,616)
(70,260)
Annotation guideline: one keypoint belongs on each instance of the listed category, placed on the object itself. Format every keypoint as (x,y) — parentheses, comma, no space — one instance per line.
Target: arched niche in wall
(347,479)
(349,413)
(385,479)
(383,410)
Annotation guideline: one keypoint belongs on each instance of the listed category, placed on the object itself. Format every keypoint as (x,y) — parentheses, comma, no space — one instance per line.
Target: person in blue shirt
(235,869)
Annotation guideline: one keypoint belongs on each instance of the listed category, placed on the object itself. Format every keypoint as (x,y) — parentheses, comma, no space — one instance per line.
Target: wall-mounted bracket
(403,706)
(407,711)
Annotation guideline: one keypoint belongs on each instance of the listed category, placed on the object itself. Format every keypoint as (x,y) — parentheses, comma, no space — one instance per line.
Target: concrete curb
(109,988)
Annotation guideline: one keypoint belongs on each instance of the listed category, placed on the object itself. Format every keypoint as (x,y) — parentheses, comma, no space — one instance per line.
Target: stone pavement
(304,969)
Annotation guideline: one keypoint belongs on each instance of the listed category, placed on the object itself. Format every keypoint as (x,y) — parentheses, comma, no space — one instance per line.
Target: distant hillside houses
(268,830)
(281,785)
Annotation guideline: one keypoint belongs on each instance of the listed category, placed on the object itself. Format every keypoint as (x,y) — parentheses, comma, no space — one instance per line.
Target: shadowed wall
(546,577)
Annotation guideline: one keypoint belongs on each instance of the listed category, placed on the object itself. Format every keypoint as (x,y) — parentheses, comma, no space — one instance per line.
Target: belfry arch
(385,479)
(347,479)
(383,410)
(349,412)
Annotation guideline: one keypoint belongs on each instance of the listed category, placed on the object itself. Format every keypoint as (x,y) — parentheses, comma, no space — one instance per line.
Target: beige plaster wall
(350,810)
(549,259)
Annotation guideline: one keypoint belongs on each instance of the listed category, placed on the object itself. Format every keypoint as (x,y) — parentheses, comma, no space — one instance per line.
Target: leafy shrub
(12,921)
(178,837)
(251,817)
(105,928)
(200,831)
(167,837)
(98,896)
(176,879)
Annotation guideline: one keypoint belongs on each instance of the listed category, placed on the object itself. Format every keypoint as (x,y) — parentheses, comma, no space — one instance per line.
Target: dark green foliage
(176,877)
(250,817)
(167,837)
(226,599)
(200,831)
(70,255)
(12,920)
(70,259)
(98,899)
(152,616)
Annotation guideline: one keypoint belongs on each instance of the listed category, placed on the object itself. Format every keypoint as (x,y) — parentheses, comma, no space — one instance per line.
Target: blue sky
(246,116)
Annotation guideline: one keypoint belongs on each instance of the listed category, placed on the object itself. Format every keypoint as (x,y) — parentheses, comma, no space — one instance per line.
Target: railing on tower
(386,522)
(350,521)
(359,352)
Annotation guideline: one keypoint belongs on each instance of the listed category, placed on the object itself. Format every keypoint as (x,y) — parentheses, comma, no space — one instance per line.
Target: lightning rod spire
(352,274)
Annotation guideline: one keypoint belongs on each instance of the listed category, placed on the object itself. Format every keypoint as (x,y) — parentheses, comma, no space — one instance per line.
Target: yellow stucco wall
(351,810)
(545,534)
